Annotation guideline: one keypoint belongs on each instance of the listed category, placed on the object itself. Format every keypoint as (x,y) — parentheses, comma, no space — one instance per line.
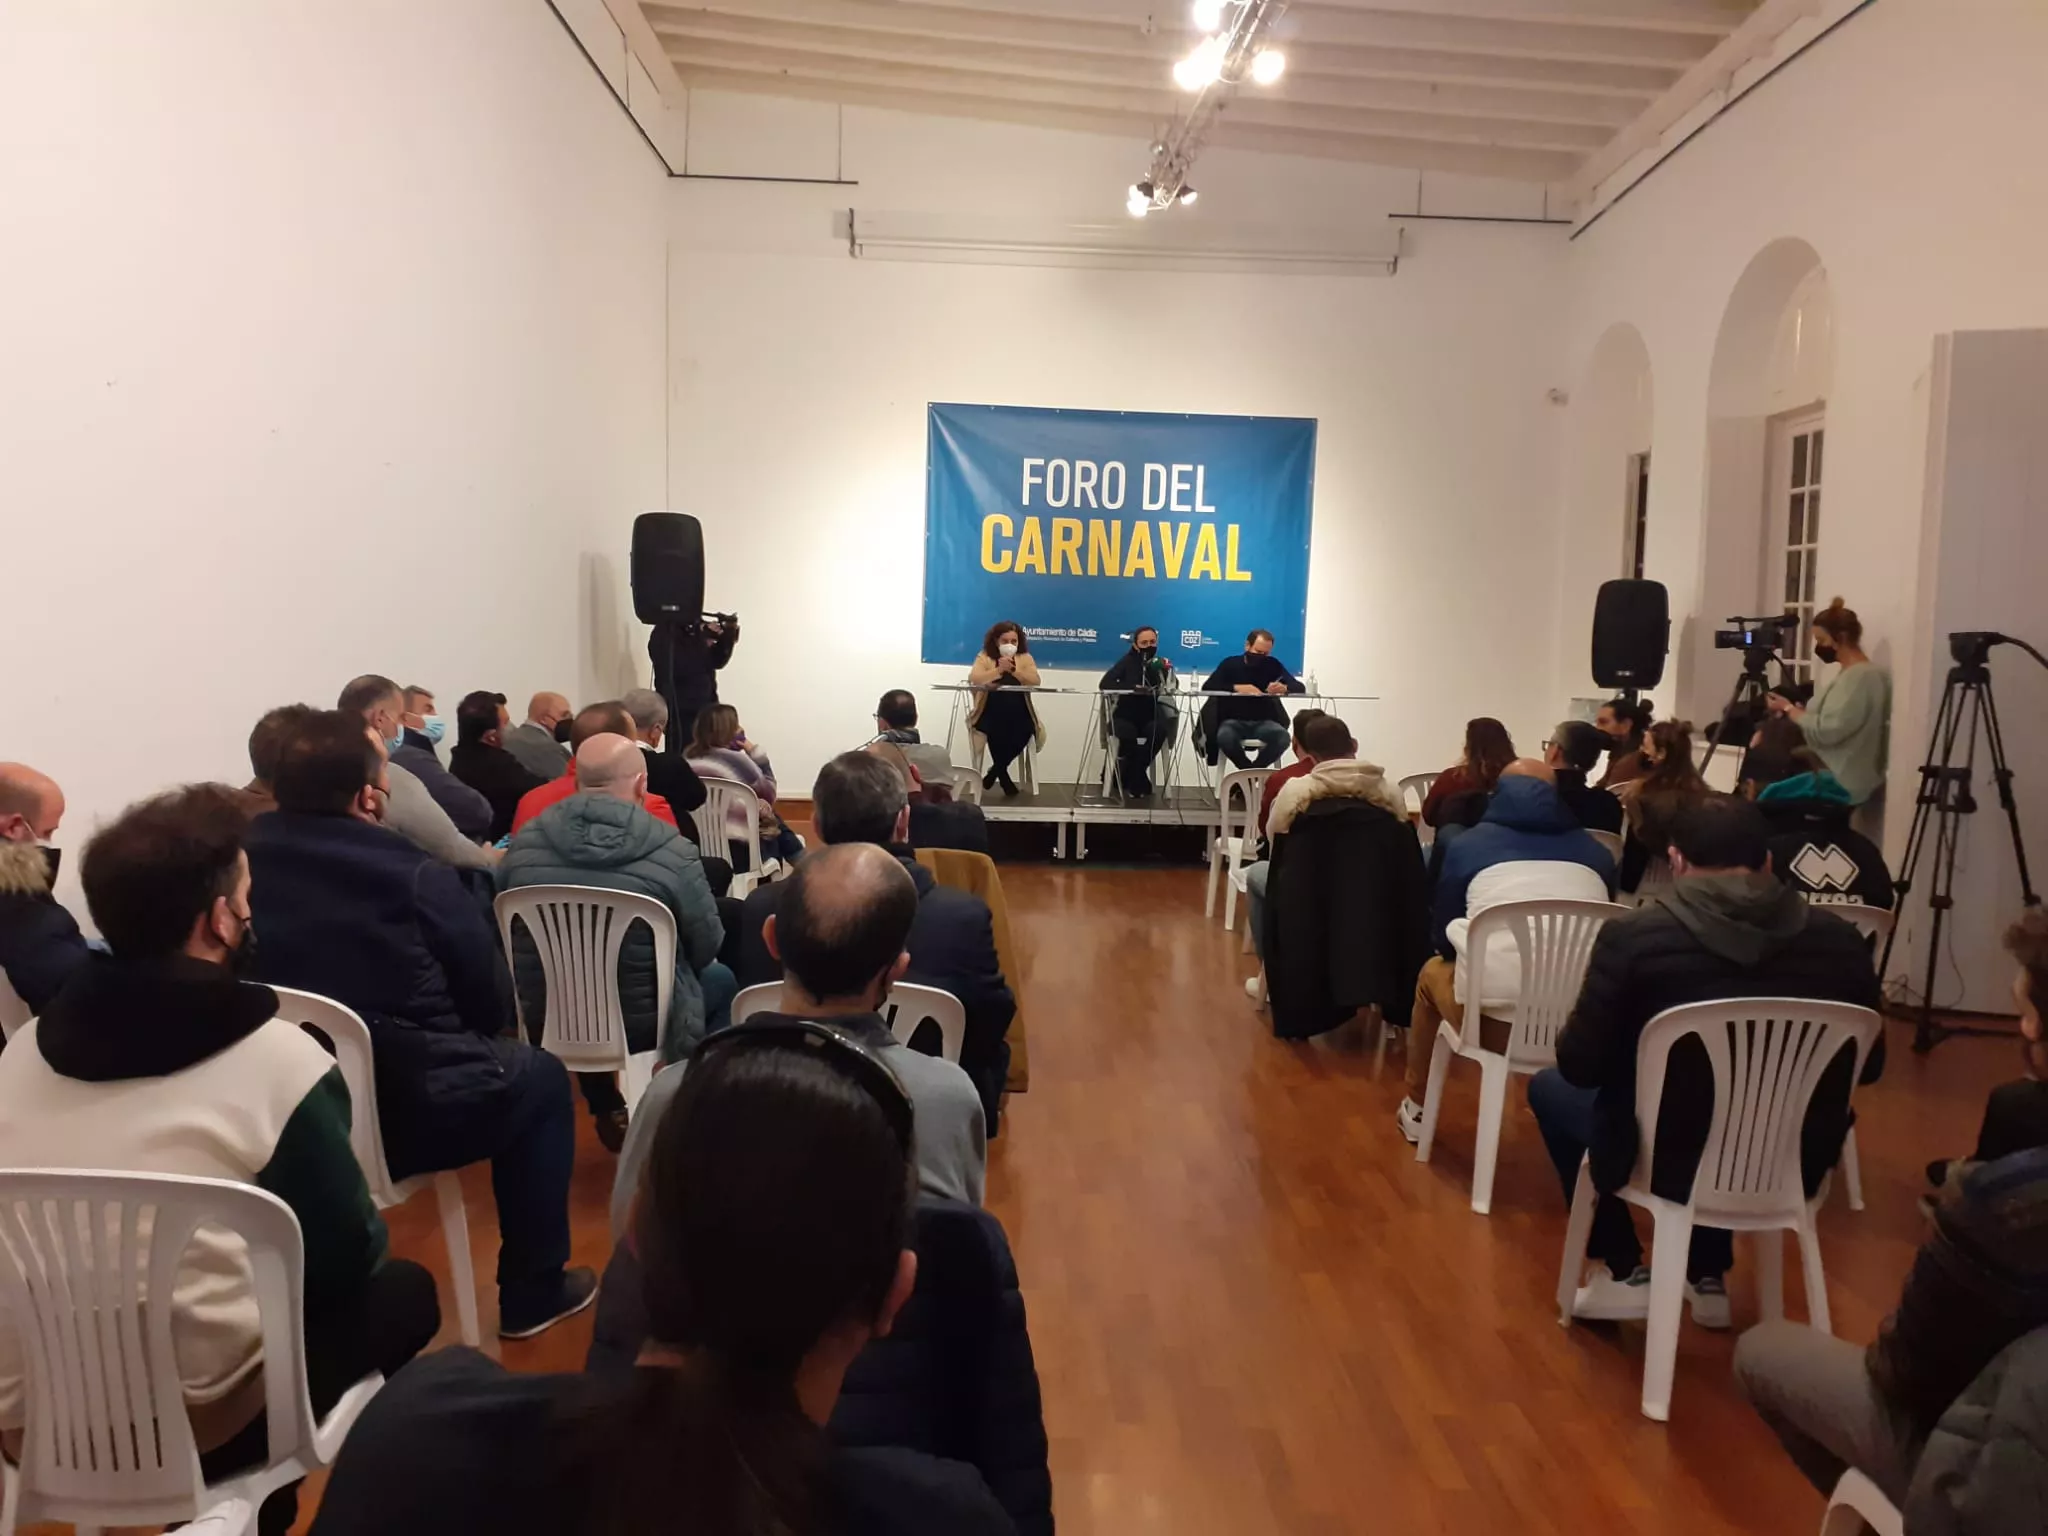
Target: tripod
(1748,697)
(1946,796)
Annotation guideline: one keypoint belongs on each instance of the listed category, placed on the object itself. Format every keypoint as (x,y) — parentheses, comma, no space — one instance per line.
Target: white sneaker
(1251,988)
(1708,1298)
(1409,1118)
(1604,1299)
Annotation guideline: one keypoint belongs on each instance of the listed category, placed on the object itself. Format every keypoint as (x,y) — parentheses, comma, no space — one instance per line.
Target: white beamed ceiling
(1525,89)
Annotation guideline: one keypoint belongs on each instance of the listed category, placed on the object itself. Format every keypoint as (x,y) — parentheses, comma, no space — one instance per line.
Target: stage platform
(1080,806)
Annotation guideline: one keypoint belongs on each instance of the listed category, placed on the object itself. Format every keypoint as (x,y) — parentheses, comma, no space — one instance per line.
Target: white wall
(328,331)
(799,380)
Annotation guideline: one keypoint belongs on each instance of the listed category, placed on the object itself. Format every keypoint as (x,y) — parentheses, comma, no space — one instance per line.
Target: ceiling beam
(632,21)
(1710,18)
(1535,165)
(1316,22)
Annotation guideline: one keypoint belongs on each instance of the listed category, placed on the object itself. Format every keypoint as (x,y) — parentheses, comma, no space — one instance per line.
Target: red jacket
(534,801)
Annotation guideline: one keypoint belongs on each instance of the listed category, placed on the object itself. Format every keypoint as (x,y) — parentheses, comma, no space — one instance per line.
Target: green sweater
(1848,724)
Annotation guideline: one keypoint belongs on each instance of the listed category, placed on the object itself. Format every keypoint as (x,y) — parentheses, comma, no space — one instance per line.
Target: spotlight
(1139,203)
(1208,14)
(1201,68)
(1269,65)
(1187,195)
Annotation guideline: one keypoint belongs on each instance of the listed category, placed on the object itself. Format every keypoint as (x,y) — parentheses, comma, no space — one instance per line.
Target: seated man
(414,809)
(606,719)
(1256,683)
(423,727)
(669,774)
(266,738)
(1727,928)
(157,1058)
(838,938)
(353,911)
(1572,753)
(603,836)
(40,945)
(1980,1282)
(934,823)
(412,751)
(534,741)
(1814,849)
(1527,847)
(482,761)
(859,798)
(896,723)
(1257,873)
(1142,720)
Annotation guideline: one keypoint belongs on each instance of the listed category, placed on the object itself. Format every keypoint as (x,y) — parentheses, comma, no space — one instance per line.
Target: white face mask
(1007,648)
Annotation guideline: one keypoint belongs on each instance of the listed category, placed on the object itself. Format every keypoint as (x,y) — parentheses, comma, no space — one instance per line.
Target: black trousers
(1139,739)
(1006,725)
(396,1317)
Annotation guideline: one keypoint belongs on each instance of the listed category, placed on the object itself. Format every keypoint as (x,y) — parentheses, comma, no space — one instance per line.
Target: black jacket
(686,666)
(1261,672)
(949,824)
(358,914)
(1661,956)
(470,810)
(954,1378)
(40,945)
(1596,809)
(1135,671)
(952,945)
(670,776)
(498,776)
(1816,852)
(1346,920)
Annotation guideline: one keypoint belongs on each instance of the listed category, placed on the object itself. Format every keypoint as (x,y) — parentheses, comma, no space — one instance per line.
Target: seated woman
(719,749)
(1458,797)
(1649,805)
(773,1234)
(1004,720)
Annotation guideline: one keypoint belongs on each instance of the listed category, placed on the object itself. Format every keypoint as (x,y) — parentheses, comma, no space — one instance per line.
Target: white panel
(733,135)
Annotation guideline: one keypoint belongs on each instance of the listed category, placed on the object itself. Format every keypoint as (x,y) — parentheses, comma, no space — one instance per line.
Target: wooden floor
(1255,1312)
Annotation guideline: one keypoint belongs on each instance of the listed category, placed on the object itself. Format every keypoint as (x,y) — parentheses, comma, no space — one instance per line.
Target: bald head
(547,708)
(612,765)
(31,804)
(842,923)
(1529,768)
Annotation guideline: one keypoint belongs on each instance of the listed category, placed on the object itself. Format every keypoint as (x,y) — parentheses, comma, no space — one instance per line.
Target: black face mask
(562,729)
(52,857)
(1824,653)
(1148,651)
(242,958)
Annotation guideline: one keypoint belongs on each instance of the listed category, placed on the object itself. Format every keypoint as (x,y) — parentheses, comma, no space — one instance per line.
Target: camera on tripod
(1766,634)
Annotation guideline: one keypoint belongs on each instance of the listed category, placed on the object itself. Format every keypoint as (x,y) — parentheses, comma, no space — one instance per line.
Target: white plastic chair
(713,822)
(13,1011)
(1419,785)
(1237,833)
(1767,1056)
(967,786)
(1657,879)
(908,1008)
(578,930)
(1858,1502)
(349,1038)
(1613,842)
(1875,924)
(1554,940)
(89,1268)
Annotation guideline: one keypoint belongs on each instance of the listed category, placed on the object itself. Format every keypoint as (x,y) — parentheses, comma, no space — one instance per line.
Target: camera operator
(1851,712)
(687,657)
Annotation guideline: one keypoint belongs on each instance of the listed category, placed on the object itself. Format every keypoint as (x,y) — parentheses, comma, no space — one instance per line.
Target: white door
(1792,525)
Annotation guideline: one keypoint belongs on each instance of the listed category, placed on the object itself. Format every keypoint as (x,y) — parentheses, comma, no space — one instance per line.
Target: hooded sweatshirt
(1528,847)
(1815,850)
(1336,778)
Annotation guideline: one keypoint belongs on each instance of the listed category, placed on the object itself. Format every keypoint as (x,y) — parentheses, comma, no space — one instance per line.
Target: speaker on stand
(1631,635)
(668,568)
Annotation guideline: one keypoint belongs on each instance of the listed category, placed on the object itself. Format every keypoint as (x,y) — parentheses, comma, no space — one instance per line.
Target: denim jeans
(1255,876)
(1565,1116)
(1272,737)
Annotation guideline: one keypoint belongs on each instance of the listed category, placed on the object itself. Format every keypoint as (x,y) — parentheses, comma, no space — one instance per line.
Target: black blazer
(670,776)
(498,776)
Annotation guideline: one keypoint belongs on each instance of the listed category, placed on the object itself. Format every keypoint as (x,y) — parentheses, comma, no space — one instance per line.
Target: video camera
(1765,634)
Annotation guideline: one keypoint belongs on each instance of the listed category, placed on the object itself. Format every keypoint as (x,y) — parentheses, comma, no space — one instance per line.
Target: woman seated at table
(1004,720)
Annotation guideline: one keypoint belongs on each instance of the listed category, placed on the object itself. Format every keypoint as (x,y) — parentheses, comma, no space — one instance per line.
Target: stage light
(1187,194)
(1208,14)
(1139,203)
(1201,68)
(1269,66)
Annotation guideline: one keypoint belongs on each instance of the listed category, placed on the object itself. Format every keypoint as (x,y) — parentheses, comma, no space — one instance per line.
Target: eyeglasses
(837,1049)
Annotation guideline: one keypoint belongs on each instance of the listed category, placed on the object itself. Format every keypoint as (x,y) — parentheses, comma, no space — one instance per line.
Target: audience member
(942,823)
(606,719)
(1815,849)
(423,727)
(534,742)
(1624,722)
(1003,716)
(840,936)
(1528,847)
(1458,797)
(860,798)
(1668,786)
(772,1237)
(896,723)
(1571,754)
(1727,928)
(350,910)
(1257,872)
(719,749)
(1255,681)
(1345,923)
(414,808)
(1979,1282)
(481,760)
(40,945)
(669,774)
(602,836)
(158,1058)
(266,739)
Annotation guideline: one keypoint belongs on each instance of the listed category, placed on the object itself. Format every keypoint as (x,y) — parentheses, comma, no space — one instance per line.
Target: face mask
(242,958)
(1251,655)
(1007,648)
(433,727)
(52,857)
(562,729)
(1824,653)
(397,739)
(1148,651)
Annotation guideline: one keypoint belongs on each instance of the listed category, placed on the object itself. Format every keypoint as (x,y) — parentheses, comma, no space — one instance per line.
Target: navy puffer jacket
(593,839)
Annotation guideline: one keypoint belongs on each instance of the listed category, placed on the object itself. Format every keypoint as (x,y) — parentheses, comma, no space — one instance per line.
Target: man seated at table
(1256,683)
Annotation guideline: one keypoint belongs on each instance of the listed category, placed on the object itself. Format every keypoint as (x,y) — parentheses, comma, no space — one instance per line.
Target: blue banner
(1081,525)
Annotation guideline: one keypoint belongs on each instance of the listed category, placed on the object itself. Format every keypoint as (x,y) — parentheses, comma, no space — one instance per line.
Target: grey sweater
(414,816)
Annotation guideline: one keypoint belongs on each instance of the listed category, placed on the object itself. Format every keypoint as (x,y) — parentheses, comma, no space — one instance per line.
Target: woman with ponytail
(772,1229)
(1850,716)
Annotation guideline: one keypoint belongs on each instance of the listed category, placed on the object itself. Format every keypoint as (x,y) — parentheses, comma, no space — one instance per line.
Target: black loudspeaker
(668,567)
(1631,632)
